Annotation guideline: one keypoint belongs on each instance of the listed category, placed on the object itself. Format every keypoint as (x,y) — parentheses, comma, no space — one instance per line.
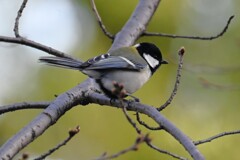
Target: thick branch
(48,117)
(156,116)
(136,24)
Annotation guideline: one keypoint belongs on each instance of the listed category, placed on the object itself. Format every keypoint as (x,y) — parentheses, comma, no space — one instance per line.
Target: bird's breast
(131,80)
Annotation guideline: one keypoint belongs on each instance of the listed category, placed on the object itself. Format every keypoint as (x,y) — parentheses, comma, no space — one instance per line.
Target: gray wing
(115,62)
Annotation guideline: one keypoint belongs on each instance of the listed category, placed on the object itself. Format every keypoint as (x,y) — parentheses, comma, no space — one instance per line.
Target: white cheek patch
(151,61)
(136,45)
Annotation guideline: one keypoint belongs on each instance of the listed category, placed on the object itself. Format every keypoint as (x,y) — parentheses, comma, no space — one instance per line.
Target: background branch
(134,147)
(102,26)
(177,82)
(19,14)
(165,152)
(216,137)
(71,134)
(191,37)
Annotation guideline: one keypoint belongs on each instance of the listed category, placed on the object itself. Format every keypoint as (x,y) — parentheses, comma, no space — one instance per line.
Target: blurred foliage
(207,101)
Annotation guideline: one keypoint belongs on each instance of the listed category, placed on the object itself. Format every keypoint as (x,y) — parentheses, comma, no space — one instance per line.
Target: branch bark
(136,24)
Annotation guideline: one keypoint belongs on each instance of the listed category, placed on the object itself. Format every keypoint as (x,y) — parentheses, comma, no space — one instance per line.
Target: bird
(120,72)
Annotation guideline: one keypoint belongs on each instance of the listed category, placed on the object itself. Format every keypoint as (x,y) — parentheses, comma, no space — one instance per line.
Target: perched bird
(126,68)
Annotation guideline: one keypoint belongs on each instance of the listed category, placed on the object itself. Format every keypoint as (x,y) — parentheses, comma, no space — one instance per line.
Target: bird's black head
(151,54)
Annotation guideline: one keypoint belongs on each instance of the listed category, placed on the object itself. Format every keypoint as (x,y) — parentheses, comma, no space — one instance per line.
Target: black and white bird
(129,67)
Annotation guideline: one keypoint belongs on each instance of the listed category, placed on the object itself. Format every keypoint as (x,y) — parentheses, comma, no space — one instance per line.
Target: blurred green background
(207,101)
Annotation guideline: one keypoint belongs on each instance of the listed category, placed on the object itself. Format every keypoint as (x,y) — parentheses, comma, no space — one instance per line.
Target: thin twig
(19,14)
(134,147)
(71,133)
(146,125)
(23,105)
(33,44)
(102,26)
(120,92)
(191,37)
(216,137)
(129,118)
(177,82)
(164,151)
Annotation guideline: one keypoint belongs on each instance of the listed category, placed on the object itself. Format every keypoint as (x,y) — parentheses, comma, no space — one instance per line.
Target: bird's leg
(120,92)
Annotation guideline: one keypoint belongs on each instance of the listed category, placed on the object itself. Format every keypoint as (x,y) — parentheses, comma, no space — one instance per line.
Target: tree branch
(19,14)
(33,44)
(191,37)
(165,152)
(102,26)
(174,92)
(23,105)
(48,117)
(136,24)
(146,125)
(156,116)
(134,125)
(216,137)
(134,147)
(71,133)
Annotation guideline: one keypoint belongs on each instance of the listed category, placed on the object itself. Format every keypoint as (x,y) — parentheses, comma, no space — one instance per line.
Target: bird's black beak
(164,62)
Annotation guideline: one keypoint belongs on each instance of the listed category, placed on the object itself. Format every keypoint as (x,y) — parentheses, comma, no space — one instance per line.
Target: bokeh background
(207,102)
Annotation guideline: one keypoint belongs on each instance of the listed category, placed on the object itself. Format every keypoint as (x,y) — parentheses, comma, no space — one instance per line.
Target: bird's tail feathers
(62,62)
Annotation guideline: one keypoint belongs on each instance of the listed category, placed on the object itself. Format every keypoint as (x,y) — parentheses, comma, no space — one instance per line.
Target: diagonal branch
(156,116)
(141,139)
(19,14)
(33,44)
(164,151)
(216,137)
(136,24)
(71,134)
(102,26)
(48,117)
(191,37)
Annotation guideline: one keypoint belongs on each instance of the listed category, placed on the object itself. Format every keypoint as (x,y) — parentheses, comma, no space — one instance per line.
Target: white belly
(131,80)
